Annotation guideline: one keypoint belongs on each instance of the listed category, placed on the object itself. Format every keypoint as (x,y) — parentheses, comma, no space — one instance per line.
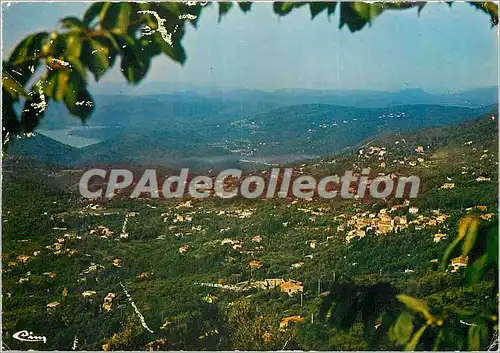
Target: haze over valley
(245,129)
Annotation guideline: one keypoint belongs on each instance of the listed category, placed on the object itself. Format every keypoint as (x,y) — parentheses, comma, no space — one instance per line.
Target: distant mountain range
(355,98)
(200,132)
(368,99)
(130,110)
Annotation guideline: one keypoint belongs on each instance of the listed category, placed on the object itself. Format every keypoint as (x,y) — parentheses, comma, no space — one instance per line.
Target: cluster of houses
(255,264)
(57,247)
(92,268)
(102,231)
(28,275)
(186,217)
(373,151)
(108,301)
(93,209)
(482,179)
(354,226)
(237,244)
(436,219)
(383,222)
(290,287)
(438,237)
(52,305)
(458,262)
(291,321)
(238,213)
(380,153)
(484,216)
(318,211)
(89,293)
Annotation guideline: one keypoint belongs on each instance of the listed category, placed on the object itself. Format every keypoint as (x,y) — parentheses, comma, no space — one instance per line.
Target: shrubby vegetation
(50,255)
(381,291)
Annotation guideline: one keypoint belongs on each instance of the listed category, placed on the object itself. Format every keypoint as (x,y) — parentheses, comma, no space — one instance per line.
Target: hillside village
(152,261)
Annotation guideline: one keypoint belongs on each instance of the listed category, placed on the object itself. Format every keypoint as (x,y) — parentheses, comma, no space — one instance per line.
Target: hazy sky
(443,49)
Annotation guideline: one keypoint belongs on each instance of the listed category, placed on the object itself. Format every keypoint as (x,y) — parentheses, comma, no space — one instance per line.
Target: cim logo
(25,336)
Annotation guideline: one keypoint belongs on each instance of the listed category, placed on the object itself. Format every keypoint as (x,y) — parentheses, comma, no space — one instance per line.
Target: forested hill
(196,270)
(220,135)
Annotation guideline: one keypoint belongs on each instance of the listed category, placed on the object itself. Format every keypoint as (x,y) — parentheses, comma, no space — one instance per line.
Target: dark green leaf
(224,7)
(462,232)
(317,7)
(401,5)
(245,6)
(357,14)
(489,8)
(151,47)
(477,337)
(172,28)
(331,8)
(367,11)
(65,44)
(492,244)
(415,339)
(195,11)
(326,305)
(56,83)
(376,301)
(415,305)
(96,57)
(92,13)
(123,17)
(403,328)
(345,313)
(72,22)
(77,98)
(421,7)
(134,69)
(12,86)
(435,346)
(340,308)
(135,62)
(125,44)
(77,66)
(24,59)
(451,337)
(73,46)
(173,7)
(108,40)
(351,17)
(155,44)
(10,122)
(34,108)
(470,238)
(29,46)
(283,8)
(476,270)
(116,16)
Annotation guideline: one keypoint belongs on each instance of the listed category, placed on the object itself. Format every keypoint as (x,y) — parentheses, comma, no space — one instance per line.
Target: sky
(441,50)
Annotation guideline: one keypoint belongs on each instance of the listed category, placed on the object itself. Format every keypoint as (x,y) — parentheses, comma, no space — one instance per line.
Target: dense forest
(213,274)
